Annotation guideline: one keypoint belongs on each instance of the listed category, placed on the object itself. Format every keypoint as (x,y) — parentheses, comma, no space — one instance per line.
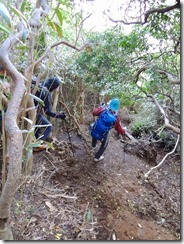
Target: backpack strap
(99,110)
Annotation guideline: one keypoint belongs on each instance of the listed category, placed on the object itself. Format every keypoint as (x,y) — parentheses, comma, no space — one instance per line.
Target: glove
(62,116)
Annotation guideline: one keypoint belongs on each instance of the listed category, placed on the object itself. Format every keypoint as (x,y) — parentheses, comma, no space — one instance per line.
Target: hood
(52,83)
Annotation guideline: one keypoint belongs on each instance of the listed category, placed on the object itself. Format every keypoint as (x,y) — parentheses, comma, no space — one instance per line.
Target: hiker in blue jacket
(107,119)
(44,93)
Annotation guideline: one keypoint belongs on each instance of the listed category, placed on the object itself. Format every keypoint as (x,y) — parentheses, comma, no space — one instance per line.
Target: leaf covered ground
(69,197)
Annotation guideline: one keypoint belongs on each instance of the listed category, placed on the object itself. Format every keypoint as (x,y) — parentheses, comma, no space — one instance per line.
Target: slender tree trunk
(14,138)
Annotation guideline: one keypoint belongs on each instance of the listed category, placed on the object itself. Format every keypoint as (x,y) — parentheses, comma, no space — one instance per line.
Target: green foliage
(163,26)
(6,20)
(145,121)
(24,36)
(41,102)
(139,127)
(4,13)
(5,29)
(19,14)
(56,28)
(26,7)
(110,64)
(169,139)
(105,65)
(60,16)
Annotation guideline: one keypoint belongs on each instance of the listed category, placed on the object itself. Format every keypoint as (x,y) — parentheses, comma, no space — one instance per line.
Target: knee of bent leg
(50,128)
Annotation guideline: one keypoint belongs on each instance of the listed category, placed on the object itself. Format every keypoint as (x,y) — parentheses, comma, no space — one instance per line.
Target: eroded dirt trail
(110,200)
(125,205)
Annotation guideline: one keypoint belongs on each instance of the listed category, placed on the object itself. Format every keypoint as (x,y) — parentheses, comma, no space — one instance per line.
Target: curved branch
(55,45)
(161,10)
(143,68)
(169,76)
(124,22)
(147,14)
(174,110)
(158,165)
(167,123)
(81,26)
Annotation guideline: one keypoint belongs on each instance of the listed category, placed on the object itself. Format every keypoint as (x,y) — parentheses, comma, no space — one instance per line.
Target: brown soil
(73,198)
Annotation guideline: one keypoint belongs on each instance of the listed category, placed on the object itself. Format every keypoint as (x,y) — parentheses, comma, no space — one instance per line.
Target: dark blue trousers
(104,143)
(43,132)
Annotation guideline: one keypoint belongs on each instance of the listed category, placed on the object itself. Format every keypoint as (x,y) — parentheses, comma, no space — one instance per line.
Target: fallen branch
(158,165)
(58,195)
(130,136)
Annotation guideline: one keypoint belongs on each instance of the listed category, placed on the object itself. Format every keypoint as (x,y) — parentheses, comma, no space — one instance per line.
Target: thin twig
(50,162)
(59,195)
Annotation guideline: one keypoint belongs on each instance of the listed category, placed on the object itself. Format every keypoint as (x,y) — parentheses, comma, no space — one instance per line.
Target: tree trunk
(14,139)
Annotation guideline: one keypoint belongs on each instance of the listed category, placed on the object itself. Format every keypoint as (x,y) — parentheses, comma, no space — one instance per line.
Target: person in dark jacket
(5,93)
(113,107)
(44,93)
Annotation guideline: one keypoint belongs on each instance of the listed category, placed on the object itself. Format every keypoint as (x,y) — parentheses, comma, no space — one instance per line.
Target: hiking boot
(98,159)
(40,148)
